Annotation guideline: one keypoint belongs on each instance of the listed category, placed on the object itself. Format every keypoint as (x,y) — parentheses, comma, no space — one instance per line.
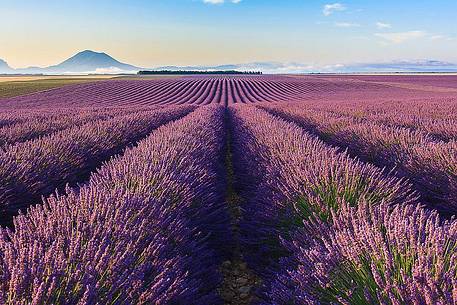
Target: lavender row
(195,90)
(225,90)
(10,117)
(60,119)
(133,234)
(439,127)
(439,108)
(288,175)
(443,108)
(365,249)
(370,255)
(35,168)
(7,119)
(430,166)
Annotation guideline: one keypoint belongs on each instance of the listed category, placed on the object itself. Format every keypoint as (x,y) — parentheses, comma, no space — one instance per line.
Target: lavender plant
(296,176)
(371,254)
(36,168)
(133,234)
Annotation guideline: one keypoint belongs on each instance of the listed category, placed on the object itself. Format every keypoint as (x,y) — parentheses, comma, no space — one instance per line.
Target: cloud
(441,37)
(220,1)
(383,25)
(110,70)
(437,37)
(272,67)
(401,37)
(346,24)
(334,7)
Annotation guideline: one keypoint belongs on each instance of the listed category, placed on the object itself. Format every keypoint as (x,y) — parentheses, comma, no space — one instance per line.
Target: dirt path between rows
(239,282)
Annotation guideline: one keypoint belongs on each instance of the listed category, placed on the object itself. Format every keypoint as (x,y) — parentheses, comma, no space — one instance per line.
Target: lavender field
(250,189)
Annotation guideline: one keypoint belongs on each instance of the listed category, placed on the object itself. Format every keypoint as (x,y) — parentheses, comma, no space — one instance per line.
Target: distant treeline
(181,72)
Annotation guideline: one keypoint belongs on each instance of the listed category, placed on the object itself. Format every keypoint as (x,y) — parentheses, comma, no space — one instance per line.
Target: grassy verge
(18,87)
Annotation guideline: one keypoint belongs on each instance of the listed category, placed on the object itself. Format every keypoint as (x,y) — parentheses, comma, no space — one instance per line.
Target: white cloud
(441,37)
(383,25)
(334,7)
(400,37)
(110,70)
(346,24)
(220,1)
(437,37)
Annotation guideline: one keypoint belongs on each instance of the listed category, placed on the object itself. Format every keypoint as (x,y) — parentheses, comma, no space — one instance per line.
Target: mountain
(4,68)
(84,62)
(91,61)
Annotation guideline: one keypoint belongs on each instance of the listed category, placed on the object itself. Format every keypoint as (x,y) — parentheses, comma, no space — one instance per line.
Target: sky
(150,33)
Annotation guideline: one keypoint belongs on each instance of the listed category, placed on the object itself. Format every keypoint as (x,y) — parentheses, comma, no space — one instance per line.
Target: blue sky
(189,32)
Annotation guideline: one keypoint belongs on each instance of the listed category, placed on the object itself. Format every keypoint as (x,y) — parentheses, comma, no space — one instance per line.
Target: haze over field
(90,62)
(291,36)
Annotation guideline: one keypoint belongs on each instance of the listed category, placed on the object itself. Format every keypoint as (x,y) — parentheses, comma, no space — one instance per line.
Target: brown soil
(239,283)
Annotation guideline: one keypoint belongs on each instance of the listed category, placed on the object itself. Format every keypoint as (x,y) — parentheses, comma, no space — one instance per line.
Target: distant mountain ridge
(278,67)
(84,62)
(91,62)
(404,66)
(4,68)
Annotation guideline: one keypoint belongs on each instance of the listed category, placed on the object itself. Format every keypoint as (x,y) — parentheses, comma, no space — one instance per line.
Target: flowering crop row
(224,90)
(431,166)
(133,234)
(59,119)
(436,117)
(343,232)
(36,168)
(193,90)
